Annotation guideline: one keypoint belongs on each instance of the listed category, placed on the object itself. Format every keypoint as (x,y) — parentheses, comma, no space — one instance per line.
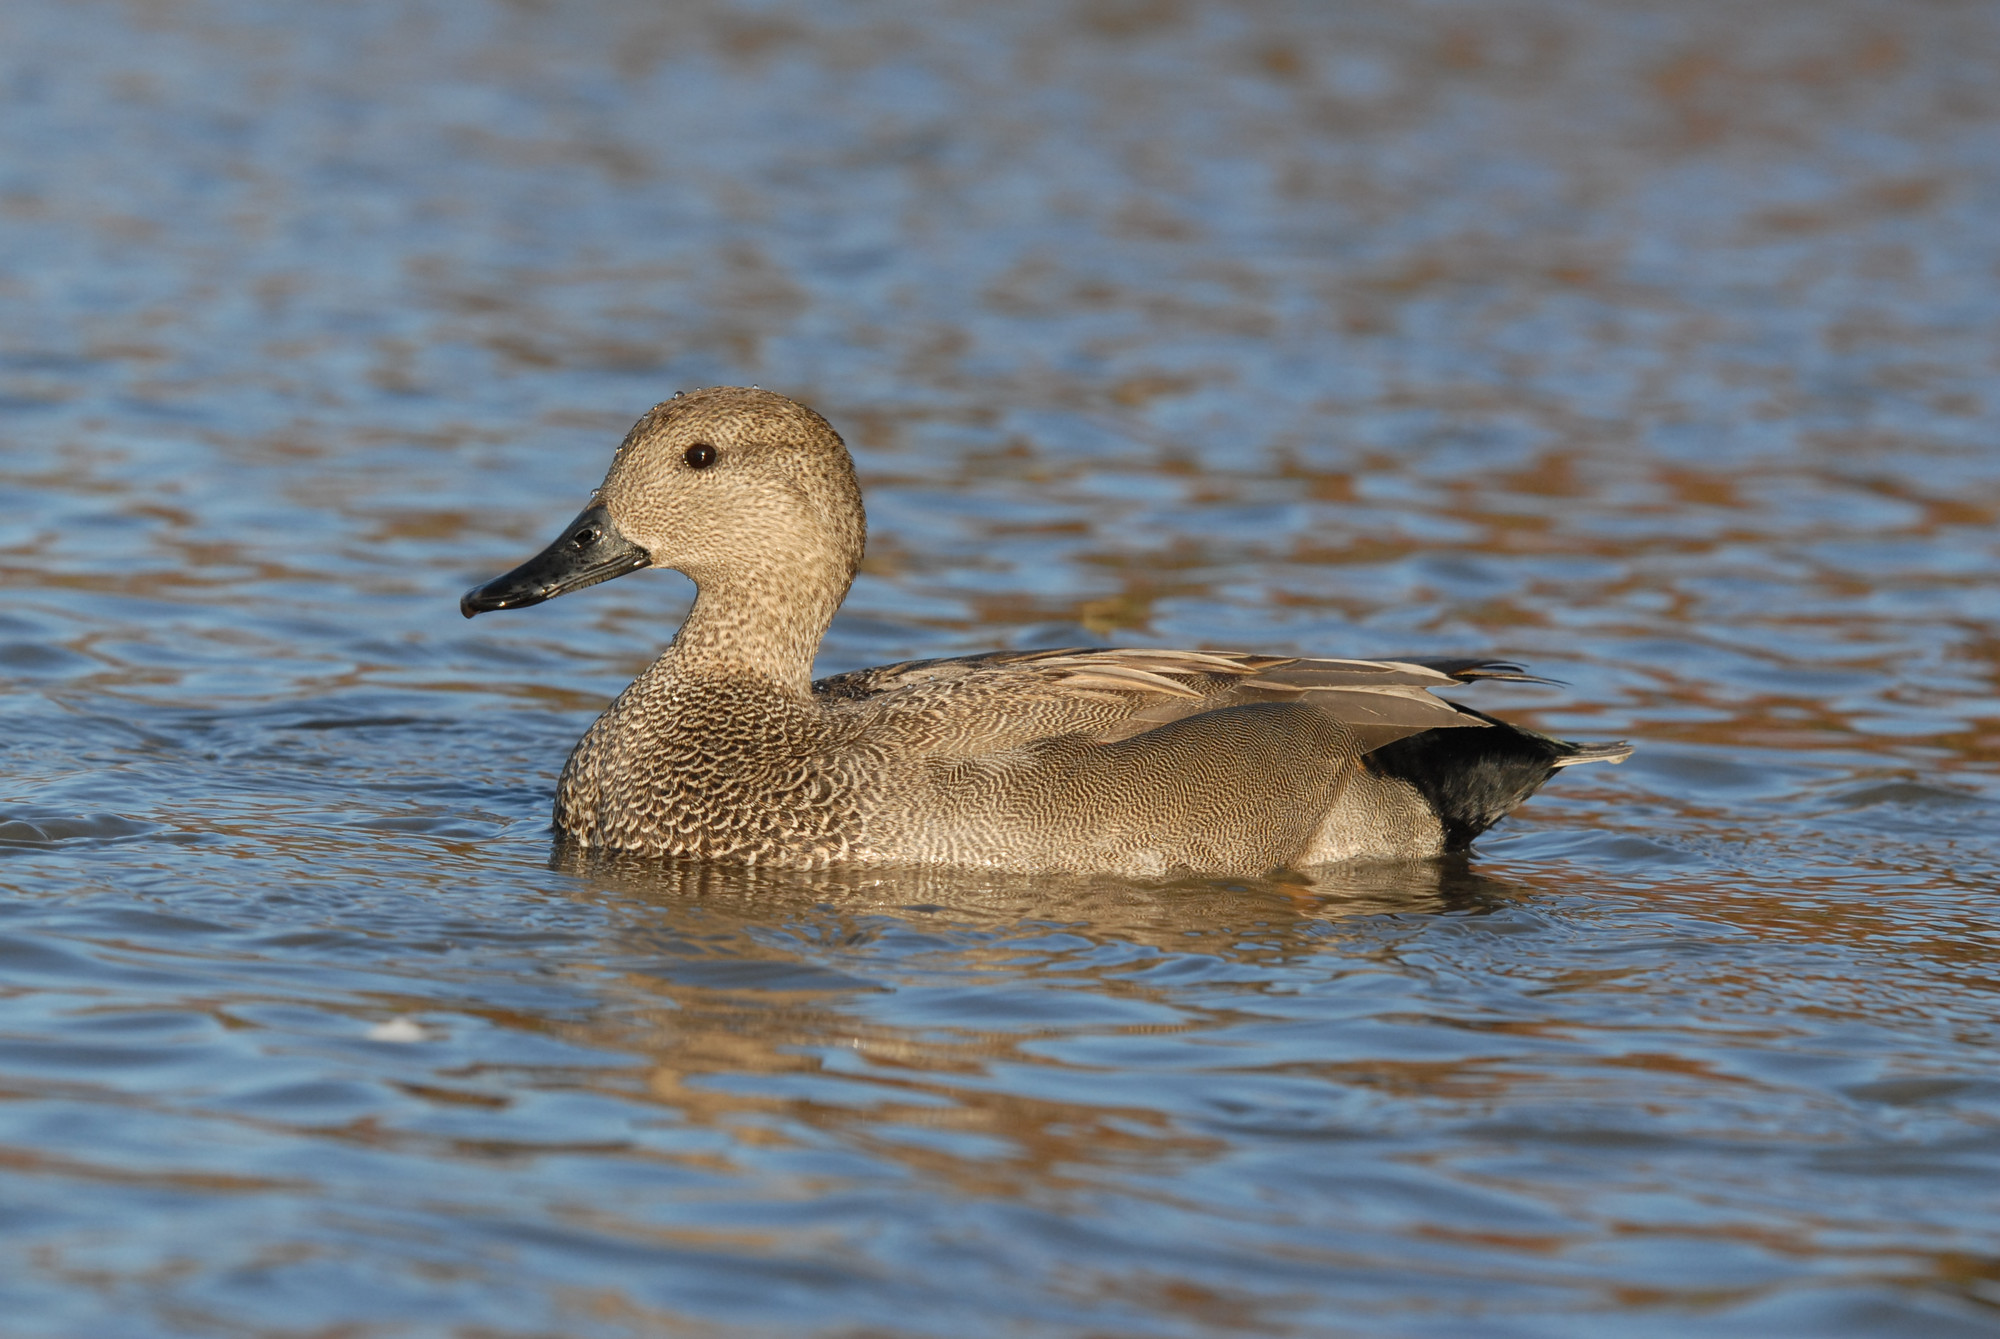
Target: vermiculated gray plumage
(1137,761)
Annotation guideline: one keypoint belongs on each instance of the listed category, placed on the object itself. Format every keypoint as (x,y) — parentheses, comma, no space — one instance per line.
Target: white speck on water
(398,1029)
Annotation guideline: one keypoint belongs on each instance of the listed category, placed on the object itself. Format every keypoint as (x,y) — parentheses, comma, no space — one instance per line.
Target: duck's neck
(760,629)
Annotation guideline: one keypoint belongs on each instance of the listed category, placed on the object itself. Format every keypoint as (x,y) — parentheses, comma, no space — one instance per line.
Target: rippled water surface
(1652,344)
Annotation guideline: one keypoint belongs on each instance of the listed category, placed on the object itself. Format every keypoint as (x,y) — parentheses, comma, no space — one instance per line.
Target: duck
(1132,761)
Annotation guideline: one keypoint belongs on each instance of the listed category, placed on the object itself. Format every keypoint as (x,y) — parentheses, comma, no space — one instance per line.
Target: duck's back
(1145,761)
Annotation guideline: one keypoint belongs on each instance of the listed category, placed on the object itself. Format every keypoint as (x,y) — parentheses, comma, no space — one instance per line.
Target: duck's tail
(1612,753)
(1474,778)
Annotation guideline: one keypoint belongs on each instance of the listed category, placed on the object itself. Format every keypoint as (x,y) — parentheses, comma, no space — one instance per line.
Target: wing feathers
(1128,678)
(1128,691)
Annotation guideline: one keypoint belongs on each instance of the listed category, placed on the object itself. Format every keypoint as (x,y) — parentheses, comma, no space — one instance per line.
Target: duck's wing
(1379,700)
(1004,698)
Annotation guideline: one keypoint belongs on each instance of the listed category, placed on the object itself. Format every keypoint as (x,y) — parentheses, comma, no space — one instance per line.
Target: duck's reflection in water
(1157,912)
(950,1022)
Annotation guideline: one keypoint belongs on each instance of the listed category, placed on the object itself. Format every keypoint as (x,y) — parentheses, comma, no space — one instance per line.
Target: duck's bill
(590,550)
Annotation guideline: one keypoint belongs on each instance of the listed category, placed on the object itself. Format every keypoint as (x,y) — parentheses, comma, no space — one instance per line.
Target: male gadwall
(1134,761)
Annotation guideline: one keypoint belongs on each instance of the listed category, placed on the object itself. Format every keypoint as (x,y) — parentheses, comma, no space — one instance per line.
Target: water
(1652,345)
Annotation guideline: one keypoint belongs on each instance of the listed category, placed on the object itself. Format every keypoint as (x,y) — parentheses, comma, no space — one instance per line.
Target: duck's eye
(584,538)
(699,456)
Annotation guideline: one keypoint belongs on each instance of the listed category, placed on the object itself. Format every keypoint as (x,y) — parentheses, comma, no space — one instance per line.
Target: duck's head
(730,485)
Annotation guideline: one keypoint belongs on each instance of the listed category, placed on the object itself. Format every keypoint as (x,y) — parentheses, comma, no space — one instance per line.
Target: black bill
(590,550)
